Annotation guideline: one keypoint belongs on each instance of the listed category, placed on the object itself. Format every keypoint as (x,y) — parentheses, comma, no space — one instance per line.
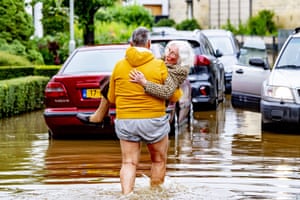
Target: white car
(248,75)
(280,95)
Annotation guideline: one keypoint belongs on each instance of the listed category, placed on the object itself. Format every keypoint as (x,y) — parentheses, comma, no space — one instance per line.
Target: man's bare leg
(101,111)
(159,152)
(130,159)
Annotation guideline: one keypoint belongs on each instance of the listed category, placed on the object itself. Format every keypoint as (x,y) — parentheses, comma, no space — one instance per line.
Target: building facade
(215,13)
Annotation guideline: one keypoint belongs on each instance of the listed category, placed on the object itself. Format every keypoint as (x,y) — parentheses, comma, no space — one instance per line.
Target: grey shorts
(150,130)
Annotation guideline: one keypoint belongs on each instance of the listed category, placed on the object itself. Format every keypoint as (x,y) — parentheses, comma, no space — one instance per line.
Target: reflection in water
(22,147)
(81,161)
(222,154)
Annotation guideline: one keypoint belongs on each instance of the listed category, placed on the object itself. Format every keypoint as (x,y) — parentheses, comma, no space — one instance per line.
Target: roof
(216,32)
(175,35)
(254,43)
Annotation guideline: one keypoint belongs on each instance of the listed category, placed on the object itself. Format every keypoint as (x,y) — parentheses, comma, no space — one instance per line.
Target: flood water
(222,154)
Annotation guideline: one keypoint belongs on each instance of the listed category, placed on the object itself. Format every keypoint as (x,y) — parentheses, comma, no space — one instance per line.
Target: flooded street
(222,154)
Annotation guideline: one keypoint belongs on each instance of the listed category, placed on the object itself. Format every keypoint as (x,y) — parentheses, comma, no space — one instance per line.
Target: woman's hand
(137,77)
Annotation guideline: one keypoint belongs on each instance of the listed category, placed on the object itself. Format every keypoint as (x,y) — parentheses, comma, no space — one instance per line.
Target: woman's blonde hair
(185,52)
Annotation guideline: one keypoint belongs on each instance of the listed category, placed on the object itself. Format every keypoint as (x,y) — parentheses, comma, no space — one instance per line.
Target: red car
(75,89)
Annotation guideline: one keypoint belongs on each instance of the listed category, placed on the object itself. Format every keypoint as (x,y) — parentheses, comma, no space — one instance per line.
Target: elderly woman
(179,57)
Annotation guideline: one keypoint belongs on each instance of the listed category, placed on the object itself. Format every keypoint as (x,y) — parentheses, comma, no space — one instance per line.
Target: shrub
(7,59)
(188,24)
(113,32)
(165,22)
(8,72)
(21,95)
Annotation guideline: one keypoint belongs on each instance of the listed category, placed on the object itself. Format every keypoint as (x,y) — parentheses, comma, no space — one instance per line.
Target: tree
(15,23)
(86,10)
(55,17)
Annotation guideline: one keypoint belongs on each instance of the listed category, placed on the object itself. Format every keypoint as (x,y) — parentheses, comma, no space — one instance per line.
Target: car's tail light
(201,60)
(203,91)
(55,90)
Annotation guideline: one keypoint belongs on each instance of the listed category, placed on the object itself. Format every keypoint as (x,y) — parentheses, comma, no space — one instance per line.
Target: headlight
(279,93)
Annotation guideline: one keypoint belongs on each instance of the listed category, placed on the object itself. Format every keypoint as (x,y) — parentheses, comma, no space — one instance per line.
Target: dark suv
(207,75)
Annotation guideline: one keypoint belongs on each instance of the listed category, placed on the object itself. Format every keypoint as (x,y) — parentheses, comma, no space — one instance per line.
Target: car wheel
(265,125)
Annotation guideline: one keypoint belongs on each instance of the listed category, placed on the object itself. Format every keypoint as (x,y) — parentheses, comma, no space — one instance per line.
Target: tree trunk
(89,32)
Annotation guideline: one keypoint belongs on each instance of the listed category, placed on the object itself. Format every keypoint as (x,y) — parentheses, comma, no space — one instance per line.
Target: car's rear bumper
(64,123)
(280,112)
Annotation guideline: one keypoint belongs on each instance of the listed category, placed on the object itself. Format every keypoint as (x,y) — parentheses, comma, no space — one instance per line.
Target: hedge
(21,95)
(8,72)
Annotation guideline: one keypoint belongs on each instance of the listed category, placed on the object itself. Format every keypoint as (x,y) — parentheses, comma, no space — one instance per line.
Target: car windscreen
(223,44)
(94,61)
(290,57)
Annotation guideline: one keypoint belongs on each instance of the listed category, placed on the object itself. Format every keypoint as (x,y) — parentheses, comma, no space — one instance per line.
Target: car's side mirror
(259,62)
(218,53)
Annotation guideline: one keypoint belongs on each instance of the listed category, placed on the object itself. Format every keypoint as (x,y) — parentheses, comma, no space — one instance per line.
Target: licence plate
(91,93)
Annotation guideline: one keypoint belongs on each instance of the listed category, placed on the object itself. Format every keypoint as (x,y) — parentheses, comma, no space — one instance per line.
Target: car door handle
(239,71)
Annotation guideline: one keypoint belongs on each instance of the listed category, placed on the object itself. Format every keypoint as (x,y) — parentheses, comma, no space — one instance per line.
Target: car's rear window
(223,44)
(94,61)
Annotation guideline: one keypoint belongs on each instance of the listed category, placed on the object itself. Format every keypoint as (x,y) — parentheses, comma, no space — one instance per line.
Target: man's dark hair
(140,37)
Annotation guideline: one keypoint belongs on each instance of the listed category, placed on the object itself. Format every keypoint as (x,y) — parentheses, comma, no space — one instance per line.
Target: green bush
(46,70)
(261,24)
(7,59)
(113,32)
(7,72)
(133,15)
(21,95)
(188,24)
(165,22)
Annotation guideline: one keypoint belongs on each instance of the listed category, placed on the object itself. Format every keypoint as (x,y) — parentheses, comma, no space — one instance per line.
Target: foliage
(112,32)
(7,59)
(8,72)
(21,95)
(133,15)
(16,29)
(54,49)
(230,27)
(262,24)
(165,22)
(188,24)
(55,17)
(86,10)
(46,70)
(15,23)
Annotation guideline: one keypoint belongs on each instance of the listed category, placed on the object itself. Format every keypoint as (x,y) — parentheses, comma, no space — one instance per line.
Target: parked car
(225,42)
(75,89)
(280,97)
(207,75)
(249,73)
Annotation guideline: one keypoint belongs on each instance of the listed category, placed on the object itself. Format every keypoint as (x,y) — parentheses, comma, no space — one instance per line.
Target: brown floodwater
(221,154)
